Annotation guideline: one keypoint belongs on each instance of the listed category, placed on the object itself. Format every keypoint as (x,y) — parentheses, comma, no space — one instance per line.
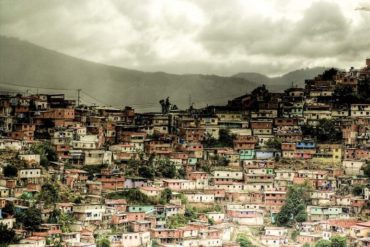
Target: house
(316,213)
(88,212)
(328,153)
(322,198)
(135,239)
(30,176)
(97,157)
(200,198)
(246,214)
(352,167)
(217,217)
(274,199)
(179,184)
(308,237)
(360,110)
(30,159)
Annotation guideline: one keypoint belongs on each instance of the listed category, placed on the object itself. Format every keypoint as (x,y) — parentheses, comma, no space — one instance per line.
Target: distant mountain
(29,65)
(296,77)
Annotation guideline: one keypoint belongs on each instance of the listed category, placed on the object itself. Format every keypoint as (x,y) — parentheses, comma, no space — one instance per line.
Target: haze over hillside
(23,63)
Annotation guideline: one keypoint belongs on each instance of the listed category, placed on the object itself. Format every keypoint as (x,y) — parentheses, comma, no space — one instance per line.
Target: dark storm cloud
(220,37)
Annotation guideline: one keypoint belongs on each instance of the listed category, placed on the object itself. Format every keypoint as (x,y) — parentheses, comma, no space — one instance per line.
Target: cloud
(196,36)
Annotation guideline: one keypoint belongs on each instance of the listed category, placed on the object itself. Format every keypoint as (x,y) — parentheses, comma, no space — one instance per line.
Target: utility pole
(78,96)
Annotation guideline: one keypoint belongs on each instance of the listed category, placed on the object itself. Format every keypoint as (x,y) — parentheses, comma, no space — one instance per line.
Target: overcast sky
(184,36)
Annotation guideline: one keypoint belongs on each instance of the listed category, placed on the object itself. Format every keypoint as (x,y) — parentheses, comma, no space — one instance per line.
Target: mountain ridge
(27,64)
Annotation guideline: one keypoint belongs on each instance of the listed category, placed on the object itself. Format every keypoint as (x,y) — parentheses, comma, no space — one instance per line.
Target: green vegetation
(133,196)
(103,242)
(367,169)
(8,210)
(29,218)
(243,241)
(63,219)
(151,168)
(364,89)
(166,196)
(336,241)
(274,143)
(344,95)
(323,243)
(294,209)
(325,132)
(177,220)
(46,151)
(357,190)
(49,194)
(225,139)
(211,221)
(7,236)
(294,235)
(10,171)
(93,169)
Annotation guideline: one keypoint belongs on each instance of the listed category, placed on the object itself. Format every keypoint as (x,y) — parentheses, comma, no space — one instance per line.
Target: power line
(35,87)
(94,98)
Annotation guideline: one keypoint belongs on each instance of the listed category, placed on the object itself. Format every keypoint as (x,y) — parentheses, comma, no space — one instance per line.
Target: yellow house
(360,230)
(328,153)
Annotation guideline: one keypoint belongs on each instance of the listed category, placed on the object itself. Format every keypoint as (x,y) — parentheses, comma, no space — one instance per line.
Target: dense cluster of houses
(241,157)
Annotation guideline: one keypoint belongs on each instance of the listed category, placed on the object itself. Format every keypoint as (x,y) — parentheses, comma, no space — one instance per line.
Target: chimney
(368,62)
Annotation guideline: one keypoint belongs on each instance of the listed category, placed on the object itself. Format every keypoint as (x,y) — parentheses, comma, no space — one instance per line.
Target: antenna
(78,96)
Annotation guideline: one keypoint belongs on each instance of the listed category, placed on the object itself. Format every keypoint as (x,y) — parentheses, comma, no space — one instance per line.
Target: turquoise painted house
(192,161)
(247,154)
(140,208)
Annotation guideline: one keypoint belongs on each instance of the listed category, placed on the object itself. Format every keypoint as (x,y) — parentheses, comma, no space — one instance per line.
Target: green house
(246,154)
(140,208)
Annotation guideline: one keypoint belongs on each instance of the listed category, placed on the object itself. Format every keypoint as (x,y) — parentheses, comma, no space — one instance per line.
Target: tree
(167,170)
(367,169)
(30,218)
(338,241)
(8,210)
(209,141)
(7,235)
(166,196)
(133,196)
(329,74)
(357,190)
(181,173)
(364,89)
(146,171)
(103,242)
(323,243)
(294,235)
(344,95)
(166,105)
(155,243)
(46,151)
(294,207)
(177,220)
(225,138)
(274,143)
(65,220)
(243,241)
(191,213)
(259,94)
(327,131)
(10,171)
(49,194)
